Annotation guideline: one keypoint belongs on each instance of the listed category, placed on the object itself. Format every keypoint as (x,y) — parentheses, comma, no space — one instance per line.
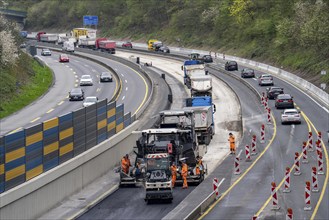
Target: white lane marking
(67,96)
(86,65)
(115,69)
(61,102)
(126,81)
(97,76)
(76,61)
(76,76)
(67,66)
(74,72)
(122,75)
(98,89)
(126,88)
(76,85)
(76,80)
(123,97)
(50,110)
(93,70)
(254,79)
(34,120)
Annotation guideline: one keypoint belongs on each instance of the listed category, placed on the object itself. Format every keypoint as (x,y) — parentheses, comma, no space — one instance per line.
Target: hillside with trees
(291,34)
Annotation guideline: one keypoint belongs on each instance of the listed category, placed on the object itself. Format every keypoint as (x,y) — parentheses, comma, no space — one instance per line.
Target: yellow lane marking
(282,181)
(245,173)
(50,110)
(34,120)
(13,131)
(61,102)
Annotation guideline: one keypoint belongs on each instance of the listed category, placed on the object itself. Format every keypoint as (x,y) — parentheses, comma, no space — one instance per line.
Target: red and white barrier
(275,202)
(310,142)
(318,146)
(262,134)
(297,165)
(253,145)
(254,217)
(237,170)
(308,206)
(287,181)
(269,116)
(215,185)
(247,149)
(304,160)
(319,136)
(315,184)
(263,99)
(289,215)
(320,163)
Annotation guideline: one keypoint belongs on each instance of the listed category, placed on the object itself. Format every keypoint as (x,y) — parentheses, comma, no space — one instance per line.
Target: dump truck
(50,38)
(107,46)
(192,68)
(150,44)
(201,85)
(87,43)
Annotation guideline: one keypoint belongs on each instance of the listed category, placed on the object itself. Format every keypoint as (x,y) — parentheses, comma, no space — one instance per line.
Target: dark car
(106,77)
(127,45)
(207,59)
(76,94)
(164,49)
(273,92)
(284,101)
(231,65)
(247,72)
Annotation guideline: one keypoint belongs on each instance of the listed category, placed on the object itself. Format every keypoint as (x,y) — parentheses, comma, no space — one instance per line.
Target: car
(231,65)
(290,116)
(23,45)
(64,58)
(127,45)
(45,52)
(76,94)
(284,101)
(164,49)
(247,72)
(207,59)
(265,79)
(105,77)
(272,92)
(86,80)
(90,100)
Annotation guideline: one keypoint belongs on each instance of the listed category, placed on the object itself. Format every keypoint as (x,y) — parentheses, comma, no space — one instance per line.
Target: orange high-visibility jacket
(184,169)
(231,139)
(173,170)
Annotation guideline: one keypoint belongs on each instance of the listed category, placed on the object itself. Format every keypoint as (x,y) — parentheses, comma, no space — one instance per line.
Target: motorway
(55,102)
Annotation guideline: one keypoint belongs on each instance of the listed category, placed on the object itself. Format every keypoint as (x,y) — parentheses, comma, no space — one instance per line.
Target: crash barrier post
(275,204)
(263,98)
(247,150)
(254,217)
(262,134)
(320,163)
(268,116)
(308,206)
(215,185)
(297,165)
(289,215)
(253,145)
(287,181)
(304,149)
(266,103)
(310,141)
(237,170)
(319,136)
(315,187)
(318,146)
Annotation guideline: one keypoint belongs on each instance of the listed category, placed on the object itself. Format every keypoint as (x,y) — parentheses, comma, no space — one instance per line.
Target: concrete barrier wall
(33,198)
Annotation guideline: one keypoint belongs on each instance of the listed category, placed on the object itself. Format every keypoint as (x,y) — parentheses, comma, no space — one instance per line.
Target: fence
(30,152)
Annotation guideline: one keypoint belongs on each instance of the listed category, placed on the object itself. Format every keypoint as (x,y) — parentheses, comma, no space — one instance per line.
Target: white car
(290,116)
(90,100)
(86,80)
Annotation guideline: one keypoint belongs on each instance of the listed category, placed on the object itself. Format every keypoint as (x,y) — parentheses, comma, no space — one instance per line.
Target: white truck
(201,84)
(68,46)
(85,42)
(203,119)
(50,38)
(193,70)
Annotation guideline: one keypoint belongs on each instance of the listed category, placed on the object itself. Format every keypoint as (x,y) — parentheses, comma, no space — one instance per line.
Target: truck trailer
(50,38)
(107,46)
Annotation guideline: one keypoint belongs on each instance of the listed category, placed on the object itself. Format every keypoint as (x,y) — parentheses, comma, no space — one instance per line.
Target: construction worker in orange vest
(173,174)
(125,165)
(199,165)
(231,139)
(184,174)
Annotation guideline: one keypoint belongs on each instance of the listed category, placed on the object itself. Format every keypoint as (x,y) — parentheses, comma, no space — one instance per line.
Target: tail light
(280,100)
(290,100)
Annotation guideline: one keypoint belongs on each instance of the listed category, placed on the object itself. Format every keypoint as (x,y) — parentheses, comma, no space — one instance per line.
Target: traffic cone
(308,206)
(297,165)
(287,181)
(275,205)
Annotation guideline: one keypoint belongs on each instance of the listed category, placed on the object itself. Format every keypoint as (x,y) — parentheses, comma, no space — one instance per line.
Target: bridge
(13,15)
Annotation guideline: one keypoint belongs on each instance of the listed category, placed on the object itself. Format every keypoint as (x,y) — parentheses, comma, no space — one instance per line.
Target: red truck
(38,36)
(106,45)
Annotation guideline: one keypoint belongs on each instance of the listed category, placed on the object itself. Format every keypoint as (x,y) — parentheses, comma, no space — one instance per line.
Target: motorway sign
(90,20)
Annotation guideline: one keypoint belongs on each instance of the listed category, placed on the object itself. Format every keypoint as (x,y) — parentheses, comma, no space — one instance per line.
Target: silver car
(86,80)
(90,100)
(265,79)
(290,116)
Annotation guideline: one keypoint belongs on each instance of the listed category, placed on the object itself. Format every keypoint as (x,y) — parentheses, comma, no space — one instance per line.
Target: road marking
(86,65)
(17,129)
(76,76)
(126,88)
(72,70)
(254,79)
(98,89)
(122,75)
(93,70)
(123,97)
(34,120)
(50,110)
(76,85)
(67,66)
(61,102)
(126,81)
(115,69)
(97,76)
(211,207)
(76,80)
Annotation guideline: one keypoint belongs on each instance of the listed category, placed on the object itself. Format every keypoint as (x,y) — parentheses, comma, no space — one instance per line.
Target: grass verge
(38,85)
